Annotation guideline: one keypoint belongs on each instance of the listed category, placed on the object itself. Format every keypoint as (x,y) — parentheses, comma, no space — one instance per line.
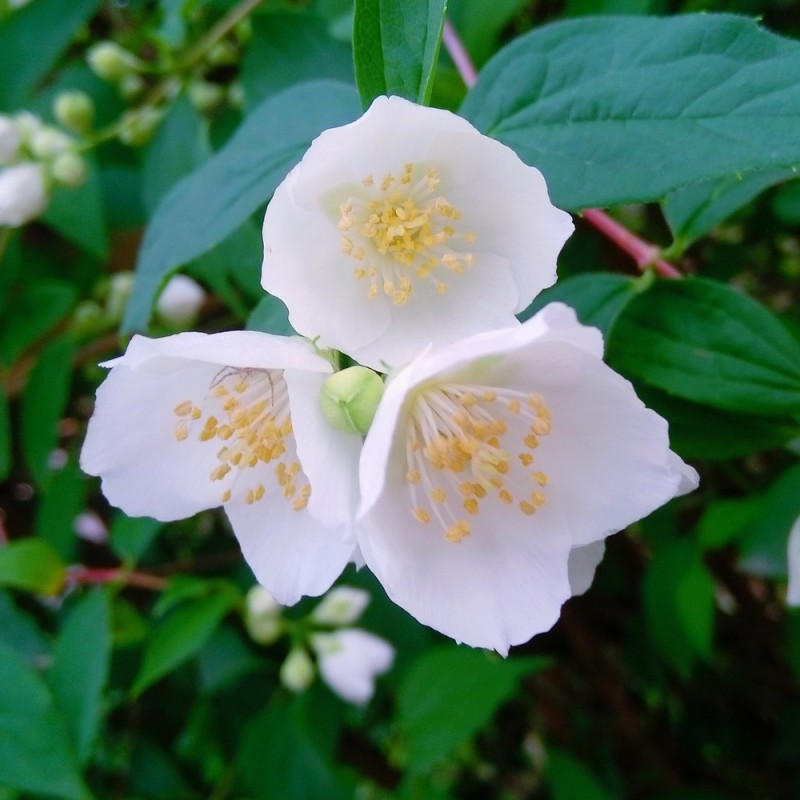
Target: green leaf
(679,605)
(181,636)
(279,759)
(19,632)
(480,24)
(706,342)
(270,316)
(31,41)
(395,47)
(31,565)
(32,314)
(624,109)
(763,543)
(79,214)
(43,404)
(569,779)
(724,520)
(786,203)
(131,536)
(80,669)
(63,497)
(212,202)
(35,752)
(597,297)
(448,695)
(696,209)
(287,49)
(5,436)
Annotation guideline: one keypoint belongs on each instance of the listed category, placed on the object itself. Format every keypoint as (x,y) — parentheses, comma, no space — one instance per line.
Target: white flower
(793,592)
(23,194)
(194,421)
(180,301)
(408,227)
(297,671)
(582,564)
(9,140)
(350,660)
(490,460)
(343,605)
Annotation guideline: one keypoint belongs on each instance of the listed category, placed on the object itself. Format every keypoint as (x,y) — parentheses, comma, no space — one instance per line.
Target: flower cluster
(496,459)
(349,659)
(33,156)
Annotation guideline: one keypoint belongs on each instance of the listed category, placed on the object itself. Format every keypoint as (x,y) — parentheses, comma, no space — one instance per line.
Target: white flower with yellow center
(490,461)
(194,421)
(406,227)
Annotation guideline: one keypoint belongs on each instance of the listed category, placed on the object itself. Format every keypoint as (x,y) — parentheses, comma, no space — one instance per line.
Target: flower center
(248,411)
(404,230)
(469,446)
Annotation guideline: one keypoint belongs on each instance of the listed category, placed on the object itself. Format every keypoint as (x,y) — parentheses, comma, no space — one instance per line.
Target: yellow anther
(196,413)
(526,459)
(422,515)
(514,405)
(506,497)
(413,476)
(457,531)
(527,508)
(438,495)
(478,490)
(531,441)
(542,427)
(441,287)
(181,431)
(471,506)
(541,478)
(538,499)
(183,409)
(226,495)
(368,181)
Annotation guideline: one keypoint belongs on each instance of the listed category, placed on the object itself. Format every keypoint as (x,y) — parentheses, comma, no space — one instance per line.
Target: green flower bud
(49,143)
(350,398)
(88,319)
(69,169)
(222,54)
(75,110)
(131,86)
(297,671)
(205,96)
(111,62)
(263,616)
(139,125)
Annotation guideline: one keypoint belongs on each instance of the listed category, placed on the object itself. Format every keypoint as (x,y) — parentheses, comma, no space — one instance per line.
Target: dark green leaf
(287,49)
(80,669)
(212,202)
(5,437)
(35,752)
(270,316)
(786,203)
(479,24)
(31,565)
(31,315)
(597,297)
(20,632)
(706,342)
(679,605)
(131,536)
(280,760)
(32,39)
(395,47)
(181,636)
(43,404)
(62,500)
(569,779)
(696,209)
(624,109)
(449,694)
(79,214)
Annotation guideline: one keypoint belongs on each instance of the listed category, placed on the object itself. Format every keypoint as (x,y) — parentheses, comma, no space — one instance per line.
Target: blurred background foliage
(126,665)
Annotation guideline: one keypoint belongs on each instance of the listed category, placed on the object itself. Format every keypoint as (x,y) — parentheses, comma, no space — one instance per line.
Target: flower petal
(583,563)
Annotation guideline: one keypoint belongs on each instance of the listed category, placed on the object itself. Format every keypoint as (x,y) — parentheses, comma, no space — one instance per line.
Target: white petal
(329,457)
(350,660)
(290,552)
(341,606)
(503,224)
(23,194)
(793,591)
(583,562)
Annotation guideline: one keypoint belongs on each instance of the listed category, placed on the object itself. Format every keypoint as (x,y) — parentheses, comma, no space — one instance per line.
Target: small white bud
(180,302)
(69,169)
(75,110)
(111,62)
(262,616)
(297,671)
(341,606)
(349,399)
(49,143)
(10,140)
(28,125)
(23,194)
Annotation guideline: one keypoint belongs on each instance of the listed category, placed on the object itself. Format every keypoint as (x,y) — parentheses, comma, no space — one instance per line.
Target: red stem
(93,576)
(643,253)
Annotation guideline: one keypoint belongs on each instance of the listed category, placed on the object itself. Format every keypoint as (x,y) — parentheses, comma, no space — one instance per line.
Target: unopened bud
(297,671)
(349,399)
(23,194)
(262,616)
(69,169)
(180,302)
(131,86)
(205,96)
(49,143)
(75,110)
(341,606)
(119,291)
(111,62)
(138,126)
(222,54)
(88,318)
(235,95)
(10,140)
